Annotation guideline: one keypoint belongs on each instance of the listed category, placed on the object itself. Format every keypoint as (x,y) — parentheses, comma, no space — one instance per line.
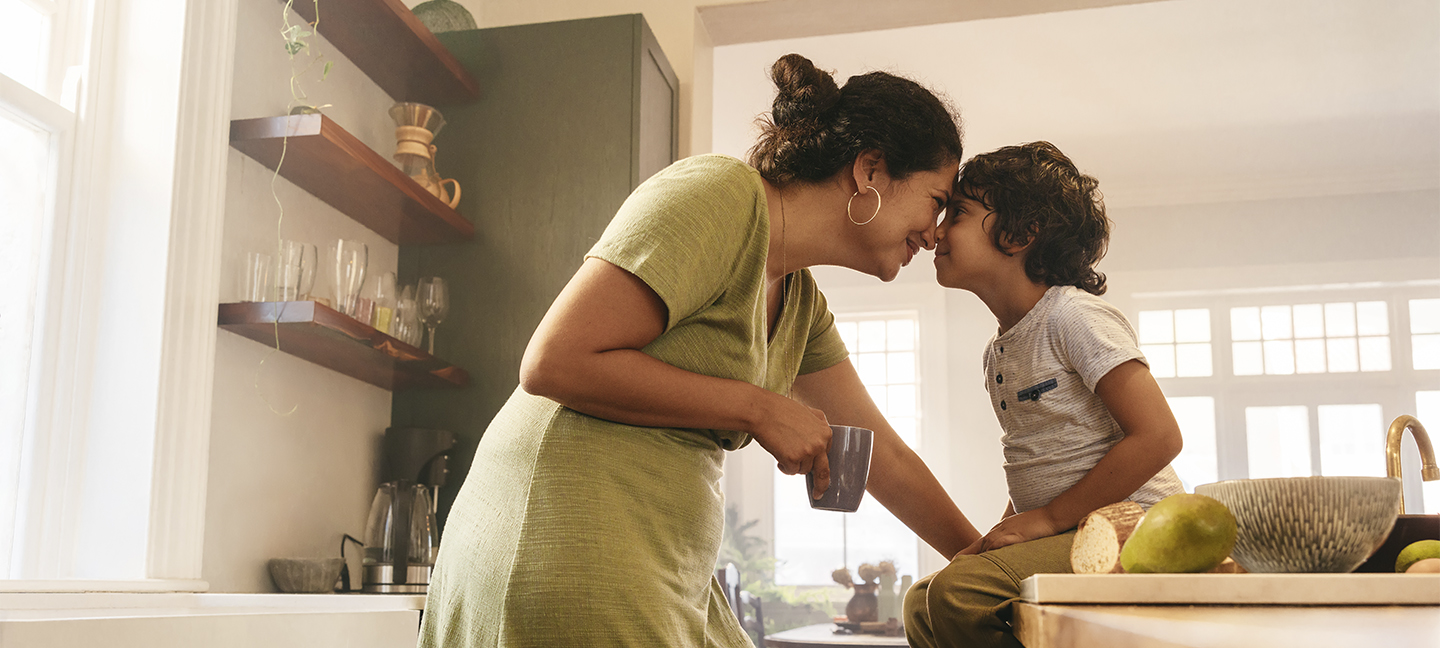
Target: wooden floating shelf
(389,44)
(327,161)
(331,339)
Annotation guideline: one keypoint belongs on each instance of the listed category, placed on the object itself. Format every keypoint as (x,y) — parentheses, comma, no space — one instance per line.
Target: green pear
(1181,534)
(1416,552)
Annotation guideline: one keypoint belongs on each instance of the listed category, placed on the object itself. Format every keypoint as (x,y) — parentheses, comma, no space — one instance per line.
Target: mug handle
(455,199)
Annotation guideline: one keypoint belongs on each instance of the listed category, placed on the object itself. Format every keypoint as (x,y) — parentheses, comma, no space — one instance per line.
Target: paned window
(1339,337)
(810,544)
(1176,342)
(1425,333)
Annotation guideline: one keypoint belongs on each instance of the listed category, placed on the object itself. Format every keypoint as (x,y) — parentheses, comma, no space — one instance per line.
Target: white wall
(288,484)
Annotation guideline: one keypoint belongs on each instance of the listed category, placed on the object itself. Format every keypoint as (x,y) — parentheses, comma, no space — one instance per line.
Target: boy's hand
(1030,525)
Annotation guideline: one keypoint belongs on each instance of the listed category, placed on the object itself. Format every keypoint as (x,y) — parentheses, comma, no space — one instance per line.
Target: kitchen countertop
(1175,626)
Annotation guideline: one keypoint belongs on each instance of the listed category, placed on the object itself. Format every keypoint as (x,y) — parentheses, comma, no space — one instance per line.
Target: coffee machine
(401,536)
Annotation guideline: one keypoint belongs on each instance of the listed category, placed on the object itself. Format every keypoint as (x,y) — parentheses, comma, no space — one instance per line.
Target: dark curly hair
(1036,191)
(815,129)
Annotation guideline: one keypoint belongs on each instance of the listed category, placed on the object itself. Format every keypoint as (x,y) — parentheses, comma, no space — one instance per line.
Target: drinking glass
(405,322)
(309,268)
(351,259)
(255,283)
(384,299)
(433,297)
(289,270)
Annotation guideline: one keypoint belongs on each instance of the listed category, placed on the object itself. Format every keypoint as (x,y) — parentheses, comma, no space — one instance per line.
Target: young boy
(1085,424)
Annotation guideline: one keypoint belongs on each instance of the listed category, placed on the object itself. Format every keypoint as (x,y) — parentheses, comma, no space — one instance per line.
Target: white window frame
(140,199)
(1394,390)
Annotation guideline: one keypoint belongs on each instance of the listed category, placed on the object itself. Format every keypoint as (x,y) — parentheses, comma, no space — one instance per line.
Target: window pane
(1425,316)
(1309,321)
(1248,358)
(901,335)
(1245,323)
(1197,461)
(1425,351)
(1161,358)
(849,335)
(1275,322)
(1279,358)
(1342,355)
(901,401)
(871,368)
(872,534)
(1372,318)
(901,368)
(1278,441)
(24,156)
(872,336)
(1427,408)
(808,542)
(1192,325)
(24,37)
(1340,319)
(1310,356)
(1375,354)
(1352,440)
(1192,360)
(1156,327)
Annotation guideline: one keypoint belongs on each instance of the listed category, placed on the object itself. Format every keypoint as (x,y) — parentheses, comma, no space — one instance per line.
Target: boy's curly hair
(1036,191)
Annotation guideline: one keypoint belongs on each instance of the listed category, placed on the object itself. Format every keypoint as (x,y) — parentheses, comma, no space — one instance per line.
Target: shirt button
(1002,349)
(1002,404)
(999,379)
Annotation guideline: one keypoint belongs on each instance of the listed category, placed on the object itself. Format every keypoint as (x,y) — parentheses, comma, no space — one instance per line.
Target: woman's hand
(1030,525)
(799,438)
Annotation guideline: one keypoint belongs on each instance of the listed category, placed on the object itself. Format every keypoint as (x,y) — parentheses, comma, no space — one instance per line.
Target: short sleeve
(823,346)
(1094,338)
(683,231)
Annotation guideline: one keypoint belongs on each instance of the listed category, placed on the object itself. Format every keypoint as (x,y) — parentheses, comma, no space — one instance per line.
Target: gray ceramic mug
(849,469)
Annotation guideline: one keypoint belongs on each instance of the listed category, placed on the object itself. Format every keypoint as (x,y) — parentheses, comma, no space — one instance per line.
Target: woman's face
(907,218)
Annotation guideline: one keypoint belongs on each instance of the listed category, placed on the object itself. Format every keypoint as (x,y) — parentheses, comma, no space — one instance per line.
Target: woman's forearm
(902,482)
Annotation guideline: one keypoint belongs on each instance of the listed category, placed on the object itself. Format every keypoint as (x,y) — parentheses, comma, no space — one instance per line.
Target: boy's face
(965,254)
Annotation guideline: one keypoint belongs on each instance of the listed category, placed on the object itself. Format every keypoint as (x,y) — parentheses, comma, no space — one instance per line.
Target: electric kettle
(401,540)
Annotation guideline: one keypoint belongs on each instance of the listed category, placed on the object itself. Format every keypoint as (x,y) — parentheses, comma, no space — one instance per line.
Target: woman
(592,514)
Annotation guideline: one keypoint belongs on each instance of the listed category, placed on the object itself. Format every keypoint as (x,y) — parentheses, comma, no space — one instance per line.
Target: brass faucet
(1428,470)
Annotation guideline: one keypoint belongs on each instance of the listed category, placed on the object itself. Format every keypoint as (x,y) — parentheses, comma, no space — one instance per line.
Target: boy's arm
(1152,440)
(898,478)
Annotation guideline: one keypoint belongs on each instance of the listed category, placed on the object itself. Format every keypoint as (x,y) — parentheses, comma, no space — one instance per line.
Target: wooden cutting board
(1232,589)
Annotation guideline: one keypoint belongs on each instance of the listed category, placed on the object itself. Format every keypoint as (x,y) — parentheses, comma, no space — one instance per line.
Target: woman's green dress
(576,531)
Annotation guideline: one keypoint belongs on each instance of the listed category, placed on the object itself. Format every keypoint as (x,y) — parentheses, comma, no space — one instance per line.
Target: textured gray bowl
(305,575)
(1308,524)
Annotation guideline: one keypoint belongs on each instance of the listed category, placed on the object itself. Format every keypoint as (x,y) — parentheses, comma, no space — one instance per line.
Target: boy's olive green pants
(968,603)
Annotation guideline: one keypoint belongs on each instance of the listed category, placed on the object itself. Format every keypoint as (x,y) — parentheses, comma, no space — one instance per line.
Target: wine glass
(433,297)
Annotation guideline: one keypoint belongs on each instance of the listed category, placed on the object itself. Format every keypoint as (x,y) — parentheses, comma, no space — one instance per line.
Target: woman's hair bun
(803,91)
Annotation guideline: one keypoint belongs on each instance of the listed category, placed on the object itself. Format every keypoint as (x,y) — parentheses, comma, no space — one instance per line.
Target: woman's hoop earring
(872,216)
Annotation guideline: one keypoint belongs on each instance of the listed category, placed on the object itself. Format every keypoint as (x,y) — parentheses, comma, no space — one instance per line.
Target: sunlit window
(809,544)
(1337,337)
(1425,333)
(1176,342)
(1427,408)
(1352,440)
(1198,462)
(1277,441)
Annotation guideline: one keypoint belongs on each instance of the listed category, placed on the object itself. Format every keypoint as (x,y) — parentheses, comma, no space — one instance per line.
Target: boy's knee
(916,612)
(961,604)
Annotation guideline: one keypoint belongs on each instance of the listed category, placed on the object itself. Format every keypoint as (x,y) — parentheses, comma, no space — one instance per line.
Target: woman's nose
(929,238)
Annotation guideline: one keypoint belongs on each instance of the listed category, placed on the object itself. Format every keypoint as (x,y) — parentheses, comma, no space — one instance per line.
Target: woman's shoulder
(710,171)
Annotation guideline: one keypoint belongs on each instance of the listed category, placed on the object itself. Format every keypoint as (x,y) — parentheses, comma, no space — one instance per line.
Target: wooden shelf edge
(389,43)
(336,167)
(322,335)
